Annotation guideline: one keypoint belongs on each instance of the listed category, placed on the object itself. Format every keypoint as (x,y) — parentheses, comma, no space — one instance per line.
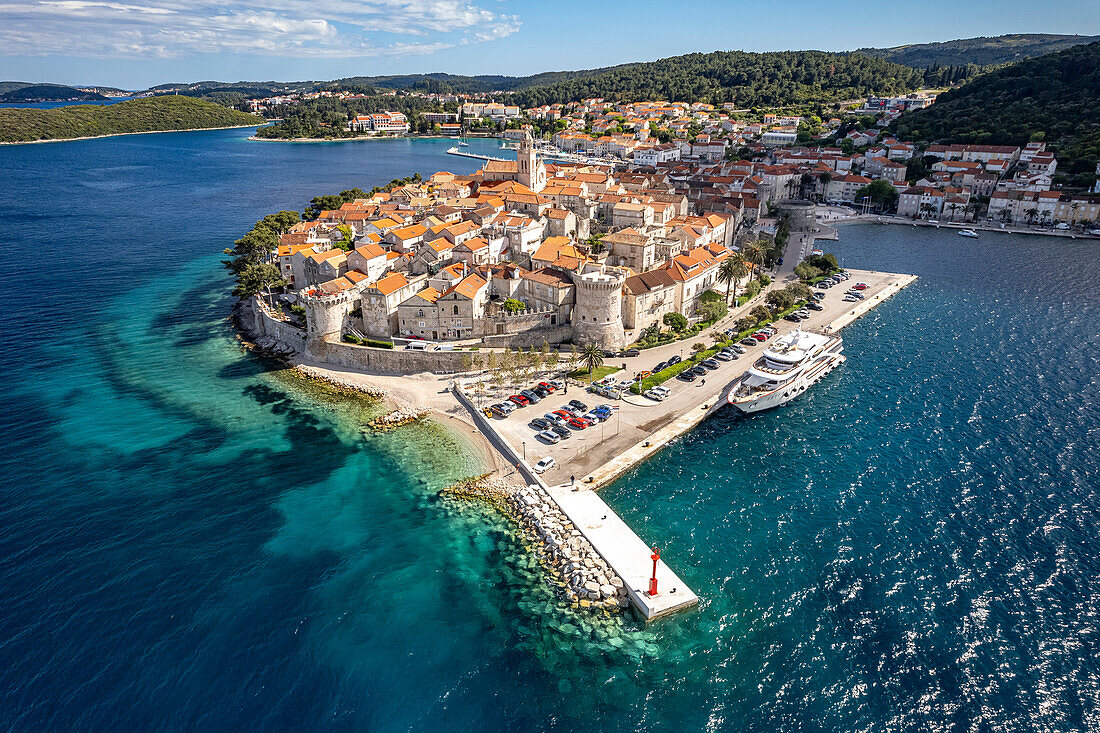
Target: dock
(625,552)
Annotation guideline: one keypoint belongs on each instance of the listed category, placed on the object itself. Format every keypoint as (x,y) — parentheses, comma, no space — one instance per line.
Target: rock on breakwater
(399,417)
(583,577)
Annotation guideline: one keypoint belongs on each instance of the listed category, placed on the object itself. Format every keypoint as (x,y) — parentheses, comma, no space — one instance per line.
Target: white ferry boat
(786,369)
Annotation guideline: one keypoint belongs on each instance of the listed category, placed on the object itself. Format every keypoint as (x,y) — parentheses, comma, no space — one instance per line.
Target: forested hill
(982,51)
(745,79)
(136,115)
(23,92)
(1054,97)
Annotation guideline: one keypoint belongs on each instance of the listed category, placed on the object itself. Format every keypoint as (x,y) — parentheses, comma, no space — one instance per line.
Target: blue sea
(191,538)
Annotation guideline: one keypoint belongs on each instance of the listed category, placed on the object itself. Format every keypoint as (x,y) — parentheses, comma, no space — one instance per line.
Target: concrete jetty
(625,552)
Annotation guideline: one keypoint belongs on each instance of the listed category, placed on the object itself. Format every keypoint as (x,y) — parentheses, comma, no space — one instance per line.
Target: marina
(638,430)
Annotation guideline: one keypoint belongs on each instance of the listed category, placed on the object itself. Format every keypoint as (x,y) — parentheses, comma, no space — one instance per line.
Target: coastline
(976,226)
(120,134)
(360,138)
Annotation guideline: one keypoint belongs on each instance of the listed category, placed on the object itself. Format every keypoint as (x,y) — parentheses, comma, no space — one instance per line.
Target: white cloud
(293,28)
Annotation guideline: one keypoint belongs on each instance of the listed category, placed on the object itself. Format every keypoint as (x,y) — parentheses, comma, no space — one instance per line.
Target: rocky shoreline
(582,576)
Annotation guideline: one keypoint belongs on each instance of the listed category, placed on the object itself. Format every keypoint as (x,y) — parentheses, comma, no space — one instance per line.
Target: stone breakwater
(572,563)
(341,384)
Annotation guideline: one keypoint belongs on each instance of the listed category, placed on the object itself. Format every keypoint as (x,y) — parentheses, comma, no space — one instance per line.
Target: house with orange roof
(430,256)
(319,267)
(406,238)
(456,313)
(560,222)
(370,259)
(552,250)
(694,271)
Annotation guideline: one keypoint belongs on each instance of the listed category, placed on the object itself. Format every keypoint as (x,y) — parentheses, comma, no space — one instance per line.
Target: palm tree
(1031,214)
(731,270)
(592,357)
(756,252)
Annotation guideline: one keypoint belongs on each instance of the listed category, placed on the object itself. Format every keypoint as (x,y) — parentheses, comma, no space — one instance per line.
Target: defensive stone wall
(263,323)
(531,337)
(386,361)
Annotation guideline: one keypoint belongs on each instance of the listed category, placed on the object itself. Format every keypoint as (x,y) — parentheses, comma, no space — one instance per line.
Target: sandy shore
(418,391)
(120,134)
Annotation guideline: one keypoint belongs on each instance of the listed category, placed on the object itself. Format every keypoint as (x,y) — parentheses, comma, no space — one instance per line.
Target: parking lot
(634,418)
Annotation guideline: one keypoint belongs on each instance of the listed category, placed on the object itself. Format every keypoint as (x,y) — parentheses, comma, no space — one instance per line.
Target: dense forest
(46,93)
(746,79)
(326,117)
(136,115)
(1055,98)
(982,51)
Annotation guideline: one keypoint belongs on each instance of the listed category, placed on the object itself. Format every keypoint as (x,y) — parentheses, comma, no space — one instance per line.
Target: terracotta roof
(370,251)
(648,281)
(468,286)
(390,283)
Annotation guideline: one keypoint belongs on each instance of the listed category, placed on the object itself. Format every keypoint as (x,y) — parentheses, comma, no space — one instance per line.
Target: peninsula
(153,114)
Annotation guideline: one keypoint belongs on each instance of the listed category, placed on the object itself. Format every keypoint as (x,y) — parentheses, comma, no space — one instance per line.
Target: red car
(577,424)
(520,400)
(565,415)
(859,286)
(759,337)
(548,387)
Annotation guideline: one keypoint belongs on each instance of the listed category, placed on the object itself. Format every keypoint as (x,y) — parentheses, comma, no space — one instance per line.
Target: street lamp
(525,450)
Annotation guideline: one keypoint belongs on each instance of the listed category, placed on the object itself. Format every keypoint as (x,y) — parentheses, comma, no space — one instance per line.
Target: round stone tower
(326,313)
(598,313)
(800,215)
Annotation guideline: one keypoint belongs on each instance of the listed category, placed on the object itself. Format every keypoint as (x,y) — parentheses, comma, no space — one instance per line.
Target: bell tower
(531,171)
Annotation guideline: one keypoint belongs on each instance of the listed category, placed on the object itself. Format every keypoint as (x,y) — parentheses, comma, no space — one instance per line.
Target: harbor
(637,431)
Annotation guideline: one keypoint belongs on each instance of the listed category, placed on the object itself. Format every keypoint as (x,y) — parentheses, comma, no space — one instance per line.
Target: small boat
(463,144)
(968,233)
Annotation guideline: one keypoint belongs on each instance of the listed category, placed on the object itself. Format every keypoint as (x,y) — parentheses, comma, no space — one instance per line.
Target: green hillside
(136,115)
(746,79)
(22,92)
(1055,98)
(982,51)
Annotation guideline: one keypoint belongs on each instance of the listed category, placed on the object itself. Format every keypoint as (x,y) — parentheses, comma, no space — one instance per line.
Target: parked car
(554,419)
(495,411)
(859,286)
(815,306)
(519,400)
(659,367)
(631,352)
(688,375)
(653,395)
(506,407)
(544,464)
(542,392)
(555,384)
(724,356)
(674,360)
(791,317)
(566,415)
(604,408)
(737,348)
(700,370)
(577,424)
(750,341)
(577,404)
(761,338)
(548,436)
(530,395)
(540,423)
(596,417)
(710,363)
(561,431)
(549,386)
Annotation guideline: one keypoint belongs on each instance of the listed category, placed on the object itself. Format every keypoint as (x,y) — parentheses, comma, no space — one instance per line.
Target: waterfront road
(587,452)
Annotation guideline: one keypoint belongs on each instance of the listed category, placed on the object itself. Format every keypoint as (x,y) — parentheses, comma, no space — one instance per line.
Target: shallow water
(191,537)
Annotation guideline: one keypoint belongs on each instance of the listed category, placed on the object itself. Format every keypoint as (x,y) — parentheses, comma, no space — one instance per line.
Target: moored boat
(793,363)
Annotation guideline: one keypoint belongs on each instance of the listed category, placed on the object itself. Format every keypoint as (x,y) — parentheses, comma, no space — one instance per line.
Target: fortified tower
(801,215)
(326,314)
(531,171)
(598,313)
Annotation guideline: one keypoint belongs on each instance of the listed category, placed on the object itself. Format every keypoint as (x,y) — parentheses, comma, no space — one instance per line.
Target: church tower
(531,171)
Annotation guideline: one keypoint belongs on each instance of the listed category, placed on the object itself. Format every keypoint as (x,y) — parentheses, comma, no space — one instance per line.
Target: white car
(548,436)
(545,464)
(653,395)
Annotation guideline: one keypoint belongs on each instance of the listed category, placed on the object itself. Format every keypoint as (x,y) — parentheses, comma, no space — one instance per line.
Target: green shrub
(378,344)
(351,338)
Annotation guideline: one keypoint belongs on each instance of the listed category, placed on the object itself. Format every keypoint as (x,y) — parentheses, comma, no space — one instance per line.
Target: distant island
(50,93)
(153,114)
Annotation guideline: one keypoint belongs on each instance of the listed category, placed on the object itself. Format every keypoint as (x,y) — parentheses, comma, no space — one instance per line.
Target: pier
(639,429)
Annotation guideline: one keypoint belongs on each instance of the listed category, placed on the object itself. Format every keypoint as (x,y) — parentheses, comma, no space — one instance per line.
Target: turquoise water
(192,538)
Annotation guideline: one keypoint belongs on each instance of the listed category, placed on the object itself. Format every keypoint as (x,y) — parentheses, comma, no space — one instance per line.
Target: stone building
(598,313)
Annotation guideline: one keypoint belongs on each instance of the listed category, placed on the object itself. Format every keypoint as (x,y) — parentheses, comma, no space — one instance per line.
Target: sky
(134,44)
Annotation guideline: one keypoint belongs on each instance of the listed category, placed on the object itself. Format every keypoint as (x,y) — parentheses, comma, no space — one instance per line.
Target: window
(456,310)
